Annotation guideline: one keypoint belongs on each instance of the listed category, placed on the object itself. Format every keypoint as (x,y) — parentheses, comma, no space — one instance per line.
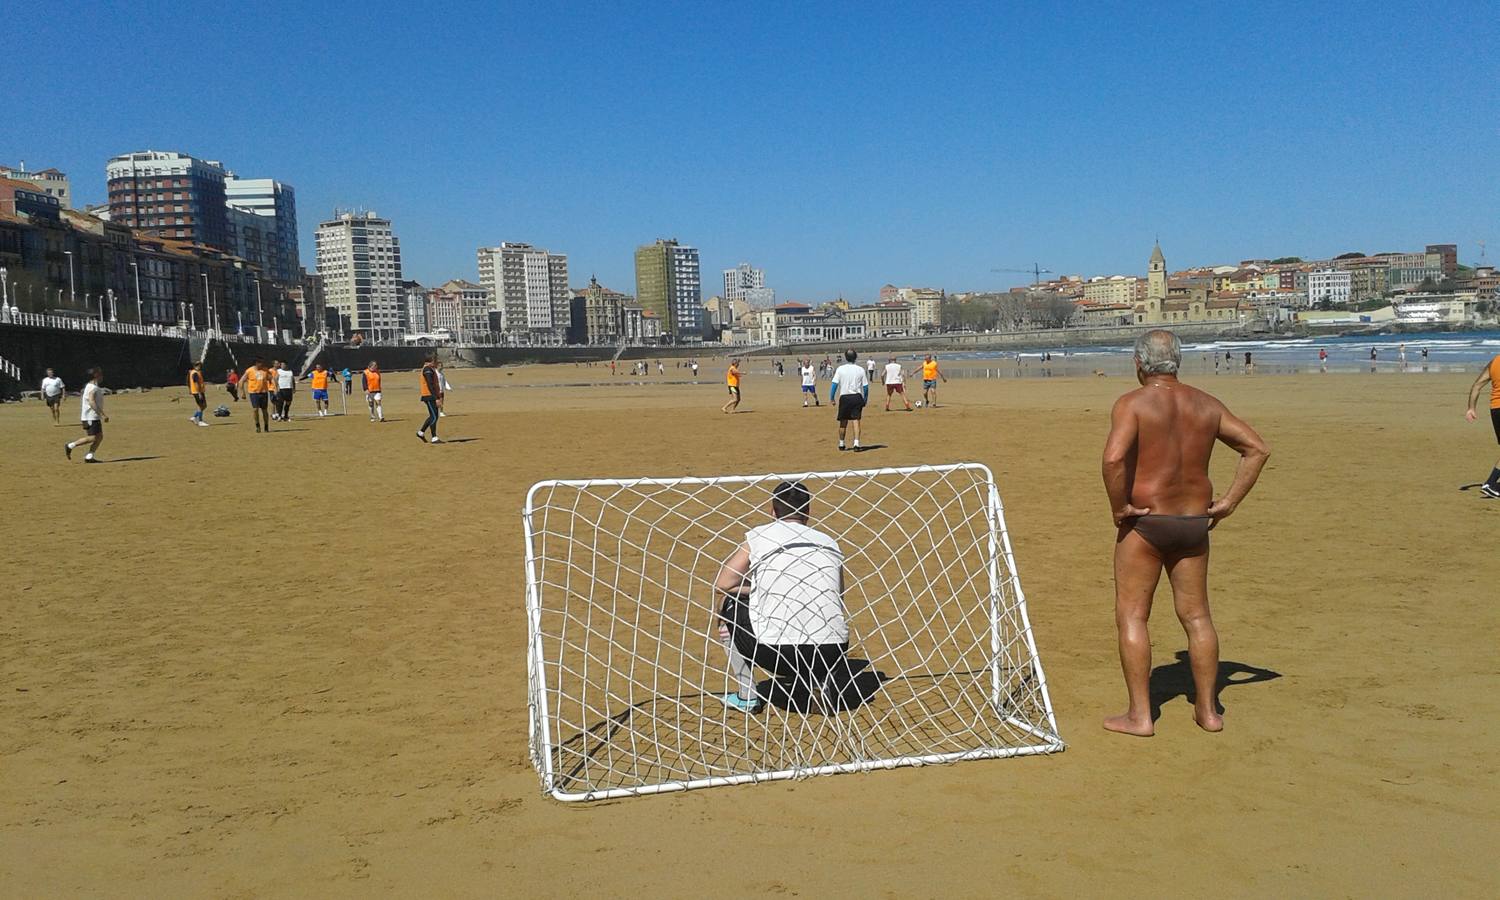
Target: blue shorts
(320,394)
(929,383)
(809,389)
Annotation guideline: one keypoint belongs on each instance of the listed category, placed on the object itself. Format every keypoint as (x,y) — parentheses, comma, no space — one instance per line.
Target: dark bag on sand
(221,411)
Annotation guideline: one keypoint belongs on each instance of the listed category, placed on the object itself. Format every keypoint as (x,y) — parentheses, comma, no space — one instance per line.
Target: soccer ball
(917,404)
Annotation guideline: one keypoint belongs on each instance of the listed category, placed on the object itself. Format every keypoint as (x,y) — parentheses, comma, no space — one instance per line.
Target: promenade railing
(79,323)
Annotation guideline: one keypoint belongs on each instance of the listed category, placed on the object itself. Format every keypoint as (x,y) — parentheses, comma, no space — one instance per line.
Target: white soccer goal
(625,662)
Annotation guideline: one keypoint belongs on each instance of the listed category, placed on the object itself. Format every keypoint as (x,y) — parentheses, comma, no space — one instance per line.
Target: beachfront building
(1115,289)
(668,284)
(359,257)
(603,313)
(170,194)
(274,206)
(740,279)
(49,181)
(1328,286)
(889,319)
(528,286)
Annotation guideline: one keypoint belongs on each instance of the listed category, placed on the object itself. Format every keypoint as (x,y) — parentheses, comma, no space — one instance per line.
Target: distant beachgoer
(611,367)
(1401,353)
(199,392)
(660,369)
(444,386)
(232,384)
(695,368)
(53,391)
(1248,364)
(732,380)
(1156,475)
(1490,373)
(1374,354)
(1323,358)
(895,383)
(91,416)
(809,382)
(870,370)
(1424,354)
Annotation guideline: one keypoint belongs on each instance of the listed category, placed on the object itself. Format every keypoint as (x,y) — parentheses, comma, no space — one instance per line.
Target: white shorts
(374,396)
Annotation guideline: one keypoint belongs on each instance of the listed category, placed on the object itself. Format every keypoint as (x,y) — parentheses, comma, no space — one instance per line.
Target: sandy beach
(239,665)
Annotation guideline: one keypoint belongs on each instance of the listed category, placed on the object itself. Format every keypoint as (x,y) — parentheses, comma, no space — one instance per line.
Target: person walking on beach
(429,385)
(257,382)
(732,380)
(91,416)
(199,393)
(53,391)
(443,387)
(1323,358)
(1156,476)
(1490,373)
(232,385)
(371,377)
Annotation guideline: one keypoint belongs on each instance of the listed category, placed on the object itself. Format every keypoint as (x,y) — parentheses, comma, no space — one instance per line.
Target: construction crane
(1036,272)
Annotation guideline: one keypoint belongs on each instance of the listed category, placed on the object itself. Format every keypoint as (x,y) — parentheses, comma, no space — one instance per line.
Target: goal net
(629,668)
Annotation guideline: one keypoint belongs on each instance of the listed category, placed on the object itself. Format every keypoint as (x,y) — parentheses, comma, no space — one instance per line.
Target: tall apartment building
(359,258)
(415,298)
(740,279)
(668,285)
(50,181)
(275,205)
(529,288)
(1331,285)
(169,194)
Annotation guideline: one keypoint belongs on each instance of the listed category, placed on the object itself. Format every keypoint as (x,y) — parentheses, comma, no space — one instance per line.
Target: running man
(732,379)
(232,384)
(430,380)
(286,389)
(53,391)
(895,383)
(1156,475)
(1490,373)
(257,386)
(783,608)
(852,389)
(371,378)
(199,392)
(320,377)
(930,375)
(809,382)
(92,417)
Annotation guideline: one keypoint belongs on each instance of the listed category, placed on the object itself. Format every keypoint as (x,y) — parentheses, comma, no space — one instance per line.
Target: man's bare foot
(1127,725)
(1208,721)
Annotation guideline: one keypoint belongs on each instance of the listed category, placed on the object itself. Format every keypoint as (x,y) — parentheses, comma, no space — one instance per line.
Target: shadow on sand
(129,459)
(1172,680)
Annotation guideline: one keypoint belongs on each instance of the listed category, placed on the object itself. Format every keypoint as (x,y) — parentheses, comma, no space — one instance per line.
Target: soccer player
(53,391)
(930,375)
(1156,475)
(430,387)
(199,391)
(372,391)
(1490,373)
(92,416)
(870,370)
(232,384)
(852,388)
(443,387)
(272,393)
(286,389)
(809,382)
(732,379)
(783,607)
(347,378)
(320,377)
(895,383)
(257,385)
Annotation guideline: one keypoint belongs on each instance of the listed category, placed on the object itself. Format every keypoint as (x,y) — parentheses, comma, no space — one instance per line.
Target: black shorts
(55,401)
(851,407)
(94,428)
(201,400)
(284,395)
(802,668)
(258,401)
(1495,421)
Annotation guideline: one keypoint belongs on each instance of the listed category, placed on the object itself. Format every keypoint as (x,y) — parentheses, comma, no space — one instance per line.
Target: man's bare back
(1155,468)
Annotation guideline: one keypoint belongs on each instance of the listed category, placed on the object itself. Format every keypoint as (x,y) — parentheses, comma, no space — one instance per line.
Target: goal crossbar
(626,676)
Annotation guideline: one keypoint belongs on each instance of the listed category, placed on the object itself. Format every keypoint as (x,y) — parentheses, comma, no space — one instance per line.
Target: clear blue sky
(838,146)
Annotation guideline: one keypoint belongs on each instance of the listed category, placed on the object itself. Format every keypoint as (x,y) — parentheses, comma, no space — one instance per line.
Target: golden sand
(293,664)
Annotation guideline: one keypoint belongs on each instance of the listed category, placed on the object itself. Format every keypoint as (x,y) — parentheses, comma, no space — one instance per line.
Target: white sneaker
(202,424)
(436,441)
(442,415)
(192,418)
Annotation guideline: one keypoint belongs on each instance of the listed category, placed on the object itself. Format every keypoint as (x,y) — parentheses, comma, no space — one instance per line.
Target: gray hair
(1158,352)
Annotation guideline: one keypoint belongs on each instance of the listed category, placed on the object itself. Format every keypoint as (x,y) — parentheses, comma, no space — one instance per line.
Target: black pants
(432,416)
(804,670)
(284,402)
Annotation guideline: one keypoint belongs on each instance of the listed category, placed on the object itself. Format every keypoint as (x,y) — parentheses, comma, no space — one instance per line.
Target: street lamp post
(114,309)
(207,302)
(139,319)
(260,318)
(72,288)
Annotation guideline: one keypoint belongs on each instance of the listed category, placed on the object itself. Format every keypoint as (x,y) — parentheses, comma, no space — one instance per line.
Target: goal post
(627,665)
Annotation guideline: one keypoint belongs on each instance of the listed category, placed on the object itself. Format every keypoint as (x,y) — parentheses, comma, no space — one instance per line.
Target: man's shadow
(1172,680)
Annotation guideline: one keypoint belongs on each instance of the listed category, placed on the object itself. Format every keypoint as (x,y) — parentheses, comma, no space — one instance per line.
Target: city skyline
(860,167)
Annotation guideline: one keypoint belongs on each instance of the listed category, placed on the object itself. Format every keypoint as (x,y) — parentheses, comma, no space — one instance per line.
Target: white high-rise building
(359,258)
(529,288)
(740,279)
(1331,285)
(276,204)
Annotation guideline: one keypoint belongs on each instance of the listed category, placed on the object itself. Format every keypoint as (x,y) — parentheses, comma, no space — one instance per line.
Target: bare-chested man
(1156,473)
